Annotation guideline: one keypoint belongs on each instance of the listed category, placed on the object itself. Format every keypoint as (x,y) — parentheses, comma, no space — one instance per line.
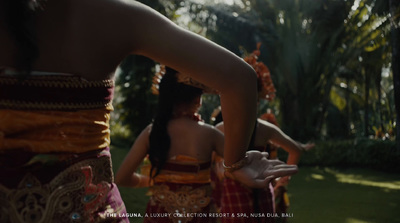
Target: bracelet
(236,166)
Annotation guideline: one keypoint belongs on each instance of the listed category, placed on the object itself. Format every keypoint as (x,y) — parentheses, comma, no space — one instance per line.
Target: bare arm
(277,136)
(154,36)
(126,175)
(158,38)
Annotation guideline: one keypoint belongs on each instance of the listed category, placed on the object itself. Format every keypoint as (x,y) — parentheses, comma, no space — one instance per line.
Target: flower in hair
(157,79)
(267,88)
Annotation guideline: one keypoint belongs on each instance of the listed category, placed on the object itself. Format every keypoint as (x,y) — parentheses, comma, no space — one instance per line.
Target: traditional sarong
(59,188)
(54,150)
(280,192)
(181,193)
(247,205)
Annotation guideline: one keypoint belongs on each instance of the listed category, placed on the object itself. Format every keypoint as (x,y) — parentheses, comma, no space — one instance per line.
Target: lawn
(317,195)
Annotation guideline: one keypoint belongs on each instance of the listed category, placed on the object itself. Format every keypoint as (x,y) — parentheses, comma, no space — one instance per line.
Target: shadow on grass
(332,195)
(317,195)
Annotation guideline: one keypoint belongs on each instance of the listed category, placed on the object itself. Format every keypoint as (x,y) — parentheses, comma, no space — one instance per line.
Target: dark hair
(171,93)
(19,17)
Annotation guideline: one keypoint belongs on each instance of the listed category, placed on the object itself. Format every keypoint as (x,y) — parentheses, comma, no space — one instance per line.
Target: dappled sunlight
(361,180)
(344,195)
(317,176)
(352,220)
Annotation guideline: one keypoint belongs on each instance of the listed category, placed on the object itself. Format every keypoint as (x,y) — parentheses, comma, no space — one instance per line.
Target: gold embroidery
(182,202)
(11,104)
(56,81)
(65,199)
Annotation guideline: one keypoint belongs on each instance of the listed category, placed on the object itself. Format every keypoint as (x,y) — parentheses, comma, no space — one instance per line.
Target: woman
(179,146)
(238,198)
(57,64)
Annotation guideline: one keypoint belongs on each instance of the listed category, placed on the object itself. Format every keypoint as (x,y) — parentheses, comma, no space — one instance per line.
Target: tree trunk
(395,32)
(366,98)
(348,106)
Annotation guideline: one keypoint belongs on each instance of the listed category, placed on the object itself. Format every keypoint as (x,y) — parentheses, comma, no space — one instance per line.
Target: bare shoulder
(220,126)
(210,130)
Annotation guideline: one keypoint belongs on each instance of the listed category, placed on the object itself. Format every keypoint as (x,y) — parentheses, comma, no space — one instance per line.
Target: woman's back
(75,36)
(194,139)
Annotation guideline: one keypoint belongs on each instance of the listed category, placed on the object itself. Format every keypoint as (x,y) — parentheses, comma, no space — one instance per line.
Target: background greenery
(333,63)
(335,66)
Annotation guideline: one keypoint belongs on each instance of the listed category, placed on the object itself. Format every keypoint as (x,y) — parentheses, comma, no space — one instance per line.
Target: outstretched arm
(275,135)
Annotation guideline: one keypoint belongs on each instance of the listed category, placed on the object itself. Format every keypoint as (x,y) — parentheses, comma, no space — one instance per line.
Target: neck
(191,115)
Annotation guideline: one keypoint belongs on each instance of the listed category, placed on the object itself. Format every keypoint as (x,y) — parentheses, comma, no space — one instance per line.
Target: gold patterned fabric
(50,131)
(83,192)
(182,191)
(54,150)
(183,203)
(182,176)
(54,113)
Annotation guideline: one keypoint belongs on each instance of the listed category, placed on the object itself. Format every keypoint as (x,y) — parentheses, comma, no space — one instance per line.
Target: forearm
(292,147)
(239,111)
(134,180)
(293,158)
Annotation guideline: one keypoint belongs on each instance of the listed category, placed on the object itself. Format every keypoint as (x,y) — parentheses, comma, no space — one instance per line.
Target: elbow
(242,78)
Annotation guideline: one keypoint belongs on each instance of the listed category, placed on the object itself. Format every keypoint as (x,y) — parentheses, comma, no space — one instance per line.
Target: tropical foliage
(330,62)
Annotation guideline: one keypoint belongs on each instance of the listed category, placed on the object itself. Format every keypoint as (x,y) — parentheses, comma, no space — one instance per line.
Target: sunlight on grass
(352,220)
(358,179)
(344,195)
(317,176)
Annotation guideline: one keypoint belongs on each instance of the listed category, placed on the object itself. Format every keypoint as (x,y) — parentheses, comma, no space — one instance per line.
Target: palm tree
(311,47)
(395,13)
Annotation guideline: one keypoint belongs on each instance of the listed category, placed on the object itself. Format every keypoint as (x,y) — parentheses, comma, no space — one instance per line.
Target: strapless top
(52,112)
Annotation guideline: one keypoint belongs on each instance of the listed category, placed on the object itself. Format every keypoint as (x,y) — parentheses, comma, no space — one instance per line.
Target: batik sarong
(181,193)
(54,149)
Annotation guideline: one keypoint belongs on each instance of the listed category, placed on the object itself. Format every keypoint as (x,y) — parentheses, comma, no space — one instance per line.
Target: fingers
(255,155)
(260,183)
(281,170)
(265,154)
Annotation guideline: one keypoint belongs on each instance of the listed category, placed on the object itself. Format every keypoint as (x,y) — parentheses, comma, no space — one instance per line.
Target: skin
(194,139)
(269,133)
(91,37)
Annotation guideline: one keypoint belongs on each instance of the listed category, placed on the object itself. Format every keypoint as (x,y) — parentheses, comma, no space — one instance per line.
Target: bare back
(74,36)
(194,139)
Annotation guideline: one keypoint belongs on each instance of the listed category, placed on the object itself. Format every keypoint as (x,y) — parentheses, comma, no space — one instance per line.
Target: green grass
(331,195)
(135,198)
(317,195)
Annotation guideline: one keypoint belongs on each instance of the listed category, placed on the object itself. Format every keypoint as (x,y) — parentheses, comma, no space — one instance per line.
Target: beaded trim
(54,92)
(56,81)
(57,106)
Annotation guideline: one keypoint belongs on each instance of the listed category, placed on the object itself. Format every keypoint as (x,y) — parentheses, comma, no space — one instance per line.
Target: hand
(260,171)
